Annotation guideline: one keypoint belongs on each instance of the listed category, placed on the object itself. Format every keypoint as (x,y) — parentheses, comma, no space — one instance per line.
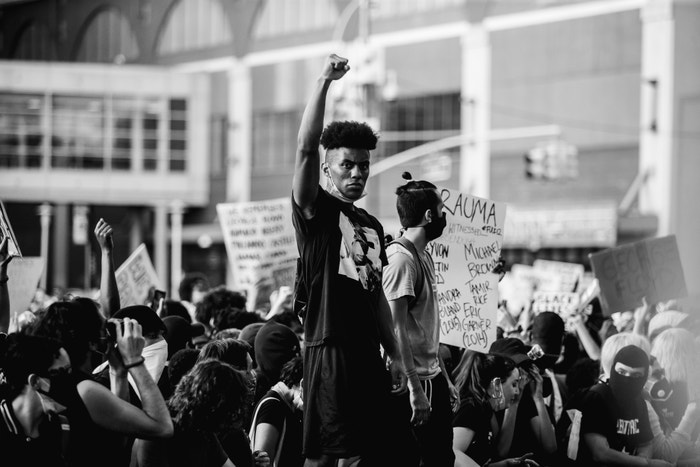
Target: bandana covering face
(155,356)
(627,389)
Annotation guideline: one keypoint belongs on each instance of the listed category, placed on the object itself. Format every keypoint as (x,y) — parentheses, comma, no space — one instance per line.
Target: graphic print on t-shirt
(359,254)
(628,427)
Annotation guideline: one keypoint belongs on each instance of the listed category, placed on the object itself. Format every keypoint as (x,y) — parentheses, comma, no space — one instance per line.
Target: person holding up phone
(488,385)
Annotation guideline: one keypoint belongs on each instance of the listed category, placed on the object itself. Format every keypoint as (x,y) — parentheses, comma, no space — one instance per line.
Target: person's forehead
(349,154)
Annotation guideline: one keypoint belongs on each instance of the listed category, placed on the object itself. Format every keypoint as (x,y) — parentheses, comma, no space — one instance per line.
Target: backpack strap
(420,275)
(253,425)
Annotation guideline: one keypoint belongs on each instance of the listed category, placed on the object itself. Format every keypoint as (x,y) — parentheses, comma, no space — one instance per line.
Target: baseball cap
(148,319)
(511,347)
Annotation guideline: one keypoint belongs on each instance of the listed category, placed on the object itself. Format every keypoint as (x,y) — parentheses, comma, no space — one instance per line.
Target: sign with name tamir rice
(464,258)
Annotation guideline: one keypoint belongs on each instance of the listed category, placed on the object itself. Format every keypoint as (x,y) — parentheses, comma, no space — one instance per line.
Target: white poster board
(135,277)
(24,275)
(558,276)
(464,257)
(562,303)
(261,245)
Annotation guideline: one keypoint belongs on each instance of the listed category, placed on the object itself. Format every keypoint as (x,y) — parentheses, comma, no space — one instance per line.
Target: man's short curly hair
(349,134)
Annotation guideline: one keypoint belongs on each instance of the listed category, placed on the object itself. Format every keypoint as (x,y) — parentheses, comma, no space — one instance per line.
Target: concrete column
(240,111)
(136,228)
(475,165)
(177,208)
(656,153)
(44,212)
(160,243)
(60,246)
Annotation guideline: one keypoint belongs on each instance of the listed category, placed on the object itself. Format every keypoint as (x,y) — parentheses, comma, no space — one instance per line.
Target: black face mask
(627,389)
(64,389)
(436,227)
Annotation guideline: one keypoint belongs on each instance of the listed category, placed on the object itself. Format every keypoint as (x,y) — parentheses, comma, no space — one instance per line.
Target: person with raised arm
(109,294)
(346,384)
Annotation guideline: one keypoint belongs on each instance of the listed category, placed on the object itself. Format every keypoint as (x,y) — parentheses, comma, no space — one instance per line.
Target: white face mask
(333,190)
(155,356)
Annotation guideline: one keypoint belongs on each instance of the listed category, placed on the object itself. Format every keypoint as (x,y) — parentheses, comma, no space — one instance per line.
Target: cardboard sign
(135,277)
(464,257)
(24,275)
(648,268)
(558,276)
(562,303)
(7,232)
(261,245)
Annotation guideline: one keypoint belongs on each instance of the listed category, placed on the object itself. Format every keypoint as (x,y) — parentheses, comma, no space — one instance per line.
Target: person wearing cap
(528,416)
(155,354)
(615,426)
(548,333)
(424,413)
(275,345)
(179,333)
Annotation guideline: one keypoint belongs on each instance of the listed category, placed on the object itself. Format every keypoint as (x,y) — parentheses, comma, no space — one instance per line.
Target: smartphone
(158,295)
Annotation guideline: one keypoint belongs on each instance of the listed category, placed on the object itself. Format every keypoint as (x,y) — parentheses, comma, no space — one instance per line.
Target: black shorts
(346,390)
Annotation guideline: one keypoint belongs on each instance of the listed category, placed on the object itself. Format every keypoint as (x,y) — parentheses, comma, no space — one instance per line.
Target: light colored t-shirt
(423,319)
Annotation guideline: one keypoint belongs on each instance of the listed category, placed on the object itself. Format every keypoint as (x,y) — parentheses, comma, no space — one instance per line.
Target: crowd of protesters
(347,369)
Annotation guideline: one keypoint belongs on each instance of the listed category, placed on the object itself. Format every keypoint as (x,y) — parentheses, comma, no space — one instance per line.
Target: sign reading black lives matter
(260,244)
(464,258)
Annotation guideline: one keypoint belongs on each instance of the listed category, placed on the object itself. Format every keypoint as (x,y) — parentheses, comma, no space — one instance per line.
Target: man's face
(349,169)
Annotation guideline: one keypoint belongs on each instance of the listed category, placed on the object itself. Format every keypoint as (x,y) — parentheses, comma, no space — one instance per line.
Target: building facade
(150,112)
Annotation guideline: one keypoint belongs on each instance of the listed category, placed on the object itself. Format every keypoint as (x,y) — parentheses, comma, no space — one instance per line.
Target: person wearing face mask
(615,426)
(30,430)
(425,411)
(100,422)
(155,354)
(347,319)
(488,385)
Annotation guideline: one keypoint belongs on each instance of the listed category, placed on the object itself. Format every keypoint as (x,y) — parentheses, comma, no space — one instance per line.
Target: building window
(195,25)
(20,130)
(279,18)
(108,39)
(275,140)
(412,121)
(77,132)
(178,135)
(123,115)
(35,43)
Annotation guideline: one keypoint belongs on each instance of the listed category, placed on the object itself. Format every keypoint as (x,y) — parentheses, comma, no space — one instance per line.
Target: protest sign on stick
(464,258)
(7,232)
(135,277)
(260,244)
(648,268)
(24,275)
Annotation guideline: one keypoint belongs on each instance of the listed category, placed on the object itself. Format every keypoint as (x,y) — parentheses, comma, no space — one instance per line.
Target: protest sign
(558,276)
(648,268)
(464,257)
(260,244)
(7,232)
(24,275)
(135,277)
(562,303)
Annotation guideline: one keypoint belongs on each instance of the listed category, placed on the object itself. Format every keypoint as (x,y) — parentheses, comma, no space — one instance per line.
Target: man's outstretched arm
(306,168)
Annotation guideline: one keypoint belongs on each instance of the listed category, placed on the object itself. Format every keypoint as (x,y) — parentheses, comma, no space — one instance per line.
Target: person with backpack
(424,413)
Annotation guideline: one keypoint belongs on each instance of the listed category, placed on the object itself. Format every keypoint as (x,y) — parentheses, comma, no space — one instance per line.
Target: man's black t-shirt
(625,429)
(278,413)
(342,256)
(17,449)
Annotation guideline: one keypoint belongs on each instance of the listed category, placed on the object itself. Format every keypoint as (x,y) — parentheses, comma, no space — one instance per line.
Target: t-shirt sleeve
(469,416)
(399,275)
(307,226)
(593,408)
(270,412)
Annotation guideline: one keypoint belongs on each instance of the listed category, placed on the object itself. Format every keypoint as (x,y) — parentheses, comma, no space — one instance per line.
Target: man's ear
(325,169)
(33,381)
